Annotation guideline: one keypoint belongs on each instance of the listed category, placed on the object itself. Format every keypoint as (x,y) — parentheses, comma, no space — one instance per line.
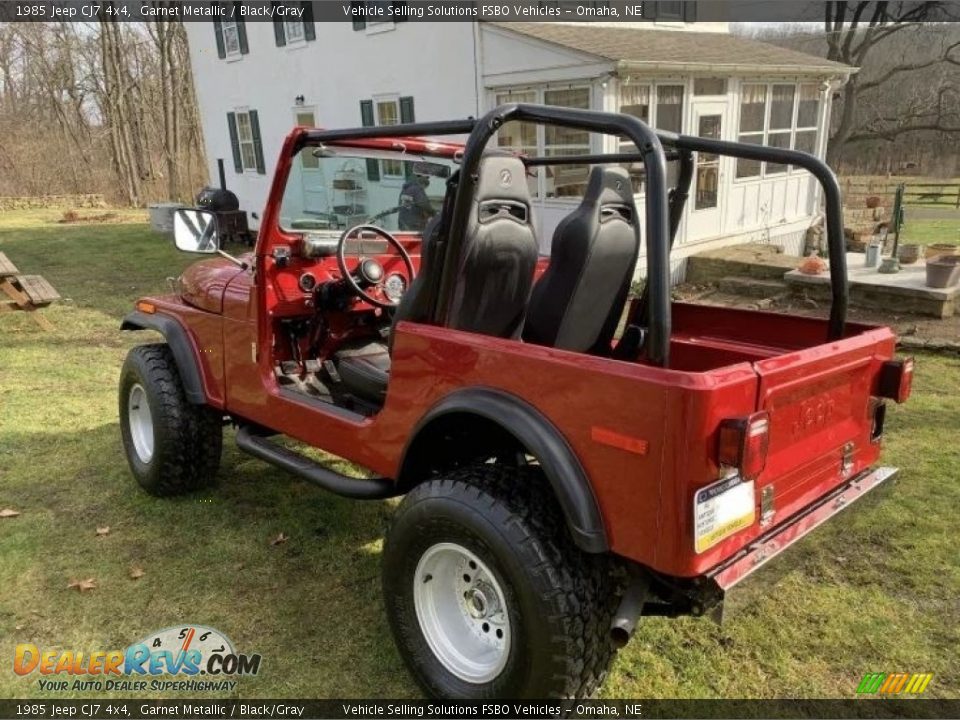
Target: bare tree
(854,30)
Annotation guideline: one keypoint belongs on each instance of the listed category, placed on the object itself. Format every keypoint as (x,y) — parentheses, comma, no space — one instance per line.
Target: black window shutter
(690,11)
(235,142)
(257,144)
(218,32)
(278,35)
(407,116)
(358,22)
(309,29)
(367,119)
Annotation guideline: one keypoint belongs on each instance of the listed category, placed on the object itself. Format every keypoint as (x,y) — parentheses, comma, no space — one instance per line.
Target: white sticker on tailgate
(721,509)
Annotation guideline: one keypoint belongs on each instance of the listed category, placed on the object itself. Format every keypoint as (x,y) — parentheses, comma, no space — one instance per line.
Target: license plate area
(722,509)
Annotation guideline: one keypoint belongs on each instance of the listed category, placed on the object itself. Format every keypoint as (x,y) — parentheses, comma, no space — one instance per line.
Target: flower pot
(908,254)
(941,249)
(943,271)
(873,202)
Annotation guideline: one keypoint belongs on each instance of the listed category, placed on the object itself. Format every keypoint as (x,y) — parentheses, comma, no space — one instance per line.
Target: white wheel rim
(462,612)
(141,423)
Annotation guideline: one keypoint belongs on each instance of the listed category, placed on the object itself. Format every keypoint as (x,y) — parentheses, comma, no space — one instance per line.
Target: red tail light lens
(743,443)
(896,380)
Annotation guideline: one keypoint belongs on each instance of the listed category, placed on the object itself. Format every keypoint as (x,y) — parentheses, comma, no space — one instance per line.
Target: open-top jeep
(562,476)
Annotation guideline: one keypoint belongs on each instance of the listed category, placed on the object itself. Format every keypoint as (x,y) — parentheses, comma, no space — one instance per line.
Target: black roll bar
(831,193)
(662,220)
(657,225)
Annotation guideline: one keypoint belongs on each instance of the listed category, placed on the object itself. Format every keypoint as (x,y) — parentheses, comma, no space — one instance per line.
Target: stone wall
(52,201)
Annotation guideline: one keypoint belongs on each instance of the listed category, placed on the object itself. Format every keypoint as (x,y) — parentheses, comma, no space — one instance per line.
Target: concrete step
(765,262)
(753,287)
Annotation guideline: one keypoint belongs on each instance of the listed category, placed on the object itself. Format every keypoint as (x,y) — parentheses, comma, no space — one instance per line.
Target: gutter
(625,67)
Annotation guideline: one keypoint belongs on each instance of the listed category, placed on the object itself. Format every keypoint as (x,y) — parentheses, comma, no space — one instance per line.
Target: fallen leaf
(9,512)
(136,572)
(279,539)
(83,585)
(105,530)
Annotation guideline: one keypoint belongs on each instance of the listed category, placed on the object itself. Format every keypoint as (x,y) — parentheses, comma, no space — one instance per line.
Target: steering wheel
(369,272)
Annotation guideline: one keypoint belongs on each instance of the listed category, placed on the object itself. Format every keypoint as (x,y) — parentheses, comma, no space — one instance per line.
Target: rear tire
(487,595)
(172,446)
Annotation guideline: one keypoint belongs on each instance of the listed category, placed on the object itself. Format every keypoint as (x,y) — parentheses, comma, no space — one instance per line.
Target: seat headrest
(503,177)
(610,186)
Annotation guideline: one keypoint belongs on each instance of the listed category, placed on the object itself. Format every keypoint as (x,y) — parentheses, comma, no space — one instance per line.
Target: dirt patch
(71,217)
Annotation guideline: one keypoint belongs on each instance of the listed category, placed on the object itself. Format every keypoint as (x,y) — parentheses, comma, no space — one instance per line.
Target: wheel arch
(180,345)
(498,416)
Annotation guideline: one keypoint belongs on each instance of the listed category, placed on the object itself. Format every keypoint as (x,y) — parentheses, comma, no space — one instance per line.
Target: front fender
(178,339)
(543,440)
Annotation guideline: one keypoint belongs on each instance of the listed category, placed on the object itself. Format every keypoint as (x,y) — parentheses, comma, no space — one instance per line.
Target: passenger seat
(577,303)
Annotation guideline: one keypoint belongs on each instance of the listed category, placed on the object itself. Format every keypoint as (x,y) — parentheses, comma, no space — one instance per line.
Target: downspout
(478,88)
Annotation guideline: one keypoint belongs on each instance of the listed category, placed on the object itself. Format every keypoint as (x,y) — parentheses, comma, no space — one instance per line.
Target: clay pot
(941,249)
(812,265)
(943,271)
(873,202)
(889,266)
(908,254)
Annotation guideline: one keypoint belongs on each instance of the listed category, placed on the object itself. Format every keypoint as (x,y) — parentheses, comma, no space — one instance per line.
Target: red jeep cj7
(561,478)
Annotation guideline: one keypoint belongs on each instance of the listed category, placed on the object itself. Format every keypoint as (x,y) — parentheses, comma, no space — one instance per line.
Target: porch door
(706,197)
(315,200)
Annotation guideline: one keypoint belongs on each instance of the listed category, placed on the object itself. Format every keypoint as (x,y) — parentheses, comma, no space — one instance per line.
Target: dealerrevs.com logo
(199,658)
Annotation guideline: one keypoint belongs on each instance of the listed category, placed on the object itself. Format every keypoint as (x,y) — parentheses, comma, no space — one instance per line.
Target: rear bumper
(771,544)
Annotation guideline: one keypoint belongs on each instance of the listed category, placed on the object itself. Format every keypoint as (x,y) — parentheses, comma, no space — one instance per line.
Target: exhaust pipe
(631,605)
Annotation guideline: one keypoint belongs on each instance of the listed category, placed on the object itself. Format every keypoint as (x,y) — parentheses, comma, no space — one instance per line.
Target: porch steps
(753,287)
(757,261)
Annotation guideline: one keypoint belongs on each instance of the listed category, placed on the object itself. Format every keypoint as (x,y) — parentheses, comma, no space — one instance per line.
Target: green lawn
(924,231)
(876,590)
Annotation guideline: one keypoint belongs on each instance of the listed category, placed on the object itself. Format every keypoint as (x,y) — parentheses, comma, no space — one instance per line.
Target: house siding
(456,73)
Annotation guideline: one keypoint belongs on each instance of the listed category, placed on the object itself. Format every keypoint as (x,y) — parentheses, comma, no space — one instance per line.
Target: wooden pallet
(25,292)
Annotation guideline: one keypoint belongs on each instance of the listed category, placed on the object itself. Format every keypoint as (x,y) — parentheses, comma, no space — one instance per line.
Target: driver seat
(494,280)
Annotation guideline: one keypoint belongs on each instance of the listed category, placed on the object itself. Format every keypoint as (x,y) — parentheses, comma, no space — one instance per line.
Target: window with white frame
(387,112)
(293,31)
(248,151)
(781,115)
(231,37)
(659,105)
(552,181)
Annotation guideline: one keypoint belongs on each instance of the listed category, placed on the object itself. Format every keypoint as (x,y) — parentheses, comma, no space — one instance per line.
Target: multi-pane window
(660,106)
(550,141)
(781,115)
(231,37)
(293,30)
(248,153)
(388,113)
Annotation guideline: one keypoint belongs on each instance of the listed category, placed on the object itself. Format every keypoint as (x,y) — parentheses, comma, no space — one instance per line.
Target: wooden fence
(928,193)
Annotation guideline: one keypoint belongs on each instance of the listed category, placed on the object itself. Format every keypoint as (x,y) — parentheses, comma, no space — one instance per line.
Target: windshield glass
(332,189)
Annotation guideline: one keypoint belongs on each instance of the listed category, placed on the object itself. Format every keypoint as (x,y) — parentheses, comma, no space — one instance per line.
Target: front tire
(487,595)
(172,446)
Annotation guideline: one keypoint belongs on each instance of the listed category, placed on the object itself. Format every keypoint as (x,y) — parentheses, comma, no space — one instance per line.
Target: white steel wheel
(141,423)
(462,612)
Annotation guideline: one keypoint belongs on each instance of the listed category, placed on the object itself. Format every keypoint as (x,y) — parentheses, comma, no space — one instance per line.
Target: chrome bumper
(768,546)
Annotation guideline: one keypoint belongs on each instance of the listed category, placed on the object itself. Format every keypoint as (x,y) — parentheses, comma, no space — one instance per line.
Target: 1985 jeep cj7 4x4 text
(558,482)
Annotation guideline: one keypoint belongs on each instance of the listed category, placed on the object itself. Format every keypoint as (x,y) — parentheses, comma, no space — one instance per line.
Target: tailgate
(819,401)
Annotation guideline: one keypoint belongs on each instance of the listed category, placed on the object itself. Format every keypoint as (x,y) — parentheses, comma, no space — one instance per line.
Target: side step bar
(312,471)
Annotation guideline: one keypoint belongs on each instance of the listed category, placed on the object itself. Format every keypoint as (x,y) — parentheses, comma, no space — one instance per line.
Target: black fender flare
(178,340)
(541,438)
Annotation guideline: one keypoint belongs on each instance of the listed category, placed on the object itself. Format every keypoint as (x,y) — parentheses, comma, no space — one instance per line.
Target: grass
(875,590)
(924,231)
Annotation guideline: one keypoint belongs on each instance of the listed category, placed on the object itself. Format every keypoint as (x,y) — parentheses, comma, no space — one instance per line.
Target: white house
(256,80)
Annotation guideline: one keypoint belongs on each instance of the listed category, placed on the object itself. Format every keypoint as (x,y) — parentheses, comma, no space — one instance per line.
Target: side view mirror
(195,231)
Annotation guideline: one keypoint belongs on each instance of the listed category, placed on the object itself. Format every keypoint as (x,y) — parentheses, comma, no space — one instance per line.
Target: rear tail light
(743,443)
(896,380)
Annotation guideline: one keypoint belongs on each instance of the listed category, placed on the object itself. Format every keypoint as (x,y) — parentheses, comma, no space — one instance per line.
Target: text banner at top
(438,11)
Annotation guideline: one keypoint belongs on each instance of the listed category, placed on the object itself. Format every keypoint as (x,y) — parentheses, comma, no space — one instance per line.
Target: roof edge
(634,65)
